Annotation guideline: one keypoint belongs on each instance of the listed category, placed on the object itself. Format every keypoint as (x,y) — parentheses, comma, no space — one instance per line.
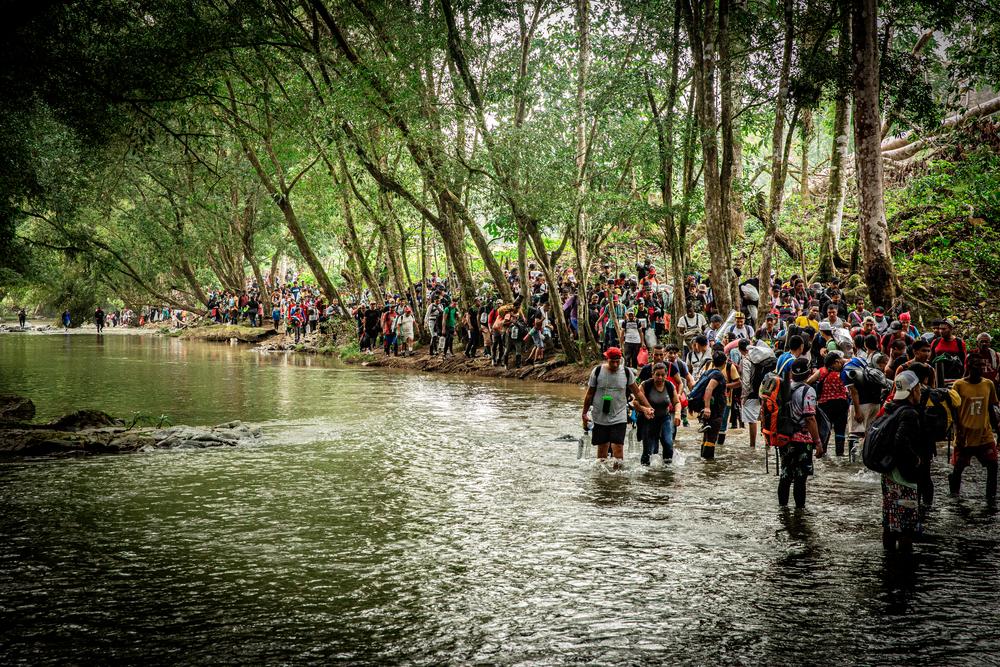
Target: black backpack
(879,452)
(948,365)
(757,375)
(939,414)
(696,397)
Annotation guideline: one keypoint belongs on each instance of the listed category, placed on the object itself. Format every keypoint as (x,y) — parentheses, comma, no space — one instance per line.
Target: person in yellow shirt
(809,319)
(974,437)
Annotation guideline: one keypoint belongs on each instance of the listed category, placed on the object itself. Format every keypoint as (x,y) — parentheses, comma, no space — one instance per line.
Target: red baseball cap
(613,353)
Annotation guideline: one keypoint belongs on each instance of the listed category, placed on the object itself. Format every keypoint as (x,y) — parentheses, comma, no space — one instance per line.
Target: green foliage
(947,235)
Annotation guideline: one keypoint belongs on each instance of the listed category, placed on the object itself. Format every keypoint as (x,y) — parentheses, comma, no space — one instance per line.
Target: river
(404,518)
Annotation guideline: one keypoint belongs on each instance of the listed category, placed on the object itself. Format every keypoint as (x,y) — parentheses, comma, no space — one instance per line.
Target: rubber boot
(839,446)
(954,483)
(991,483)
(708,451)
(721,440)
(888,540)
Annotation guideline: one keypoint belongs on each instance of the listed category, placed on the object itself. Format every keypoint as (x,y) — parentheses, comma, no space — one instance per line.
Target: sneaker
(704,427)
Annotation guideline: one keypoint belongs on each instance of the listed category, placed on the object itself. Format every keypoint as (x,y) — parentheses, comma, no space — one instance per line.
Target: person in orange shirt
(974,429)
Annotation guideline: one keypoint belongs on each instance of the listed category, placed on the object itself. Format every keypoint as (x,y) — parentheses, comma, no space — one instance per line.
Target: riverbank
(552,370)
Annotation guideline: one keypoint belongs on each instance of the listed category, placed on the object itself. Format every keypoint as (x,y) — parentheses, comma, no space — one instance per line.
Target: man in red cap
(607,401)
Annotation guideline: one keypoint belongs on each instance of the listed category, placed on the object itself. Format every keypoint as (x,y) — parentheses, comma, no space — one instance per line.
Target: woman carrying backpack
(900,498)
(662,395)
(834,399)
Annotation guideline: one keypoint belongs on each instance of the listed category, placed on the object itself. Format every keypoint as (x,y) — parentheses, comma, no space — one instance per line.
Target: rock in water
(16,408)
(85,419)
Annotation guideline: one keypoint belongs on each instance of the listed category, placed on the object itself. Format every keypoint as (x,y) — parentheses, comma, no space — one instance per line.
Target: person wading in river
(797,454)
(607,392)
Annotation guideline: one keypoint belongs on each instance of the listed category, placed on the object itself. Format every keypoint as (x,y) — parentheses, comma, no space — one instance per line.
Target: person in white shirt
(691,325)
(740,328)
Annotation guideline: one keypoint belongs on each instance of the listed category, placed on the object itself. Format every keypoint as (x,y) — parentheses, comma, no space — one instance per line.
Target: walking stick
(767,460)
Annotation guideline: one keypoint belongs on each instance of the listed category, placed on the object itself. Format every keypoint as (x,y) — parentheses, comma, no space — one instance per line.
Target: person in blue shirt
(793,352)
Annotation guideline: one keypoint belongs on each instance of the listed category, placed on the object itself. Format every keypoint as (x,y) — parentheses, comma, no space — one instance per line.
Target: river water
(403,518)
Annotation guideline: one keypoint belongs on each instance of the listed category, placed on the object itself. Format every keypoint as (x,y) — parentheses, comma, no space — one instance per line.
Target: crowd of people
(796,365)
(802,368)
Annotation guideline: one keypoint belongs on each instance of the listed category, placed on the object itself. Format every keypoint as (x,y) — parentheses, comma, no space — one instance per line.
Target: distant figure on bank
(22,317)
(66,319)
(99,319)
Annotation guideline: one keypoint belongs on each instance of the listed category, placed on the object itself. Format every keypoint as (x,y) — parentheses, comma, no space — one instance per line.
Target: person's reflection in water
(797,525)
(609,488)
(899,581)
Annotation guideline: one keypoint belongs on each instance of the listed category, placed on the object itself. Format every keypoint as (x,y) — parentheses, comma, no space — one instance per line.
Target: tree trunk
(546,264)
(188,272)
(807,128)
(522,265)
(701,30)
(880,275)
(681,254)
(358,251)
(311,260)
(581,232)
(777,156)
(834,214)
(452,234)
(728,141)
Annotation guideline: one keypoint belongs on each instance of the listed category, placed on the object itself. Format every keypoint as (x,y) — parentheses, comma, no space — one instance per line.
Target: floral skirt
(900,507)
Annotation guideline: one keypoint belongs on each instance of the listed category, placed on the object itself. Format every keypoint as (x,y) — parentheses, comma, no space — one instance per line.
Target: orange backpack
(775,411)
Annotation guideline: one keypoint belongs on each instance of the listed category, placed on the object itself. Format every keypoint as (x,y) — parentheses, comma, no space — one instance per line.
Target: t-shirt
(868,393)
(632,332)
(741,332)
(832,388)
(691,326)
(699,361)
(803,405)
(610,384)
(803,322)
(662,401)
(974,413)
(784,364)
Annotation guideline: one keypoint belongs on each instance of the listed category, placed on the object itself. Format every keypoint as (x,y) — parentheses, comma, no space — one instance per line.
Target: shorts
(868,412)
(963,456)
(900,507)
(608,434)
(751,410)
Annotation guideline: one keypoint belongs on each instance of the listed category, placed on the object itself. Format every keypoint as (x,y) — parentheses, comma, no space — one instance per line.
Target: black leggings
(836,412)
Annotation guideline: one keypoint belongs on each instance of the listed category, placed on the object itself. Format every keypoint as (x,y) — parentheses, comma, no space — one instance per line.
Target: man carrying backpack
(606,399)
(948,354)
(758,361)
(797,454)
(974,437)
(991,360)
(897,433)
(865,384)
(708,400)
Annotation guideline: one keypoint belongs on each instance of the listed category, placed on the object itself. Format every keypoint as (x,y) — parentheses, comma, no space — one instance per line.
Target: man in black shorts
(607,393)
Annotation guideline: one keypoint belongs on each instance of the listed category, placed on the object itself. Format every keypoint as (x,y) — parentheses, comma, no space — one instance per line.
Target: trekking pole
(767,460)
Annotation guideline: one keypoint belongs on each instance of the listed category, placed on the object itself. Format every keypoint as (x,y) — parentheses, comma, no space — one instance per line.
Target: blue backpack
(696,397)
